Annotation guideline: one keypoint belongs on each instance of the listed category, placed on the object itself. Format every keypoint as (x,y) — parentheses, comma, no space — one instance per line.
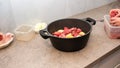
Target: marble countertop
(39,53)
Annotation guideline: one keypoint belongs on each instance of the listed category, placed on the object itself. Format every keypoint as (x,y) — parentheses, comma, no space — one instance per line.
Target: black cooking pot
(69,44)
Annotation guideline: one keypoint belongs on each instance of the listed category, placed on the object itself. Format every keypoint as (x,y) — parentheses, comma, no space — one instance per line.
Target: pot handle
(44,33)
(90,20)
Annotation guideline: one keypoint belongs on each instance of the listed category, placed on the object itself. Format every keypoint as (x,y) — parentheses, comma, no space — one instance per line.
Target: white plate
(7,43)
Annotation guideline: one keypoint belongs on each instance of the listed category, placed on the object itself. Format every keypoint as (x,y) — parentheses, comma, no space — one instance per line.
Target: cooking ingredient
(66,30)
(114,12)
(69,32)
(60,31)
(69,36)
(4,38)
(57,33)
(8,36)
(1,36)
(115,17)
(39,26)
(81,33)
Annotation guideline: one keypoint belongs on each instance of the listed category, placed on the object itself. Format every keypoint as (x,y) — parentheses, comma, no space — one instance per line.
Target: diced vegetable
(69,32)
(69,36)
(81,33)
(39,26)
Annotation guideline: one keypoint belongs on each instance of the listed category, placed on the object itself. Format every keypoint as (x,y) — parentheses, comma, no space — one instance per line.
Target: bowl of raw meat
(69,34)
(112,28)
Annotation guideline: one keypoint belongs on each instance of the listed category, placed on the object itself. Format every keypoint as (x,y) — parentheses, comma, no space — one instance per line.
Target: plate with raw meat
(6,39)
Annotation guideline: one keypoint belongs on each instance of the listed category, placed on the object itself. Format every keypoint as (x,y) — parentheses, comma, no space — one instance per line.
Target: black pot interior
(60,24)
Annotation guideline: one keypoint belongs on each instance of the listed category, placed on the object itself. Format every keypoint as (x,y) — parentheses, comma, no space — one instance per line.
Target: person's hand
(115,21)
(118,15)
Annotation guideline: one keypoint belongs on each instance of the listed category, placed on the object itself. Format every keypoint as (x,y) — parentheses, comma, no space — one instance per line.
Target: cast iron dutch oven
(69,44)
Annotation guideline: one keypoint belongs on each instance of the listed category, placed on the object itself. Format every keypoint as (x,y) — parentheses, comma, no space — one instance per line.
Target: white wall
(6,17)
(27,11)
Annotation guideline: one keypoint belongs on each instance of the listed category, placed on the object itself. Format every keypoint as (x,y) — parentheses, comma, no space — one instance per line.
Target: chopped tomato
(68,32)
(57,33)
